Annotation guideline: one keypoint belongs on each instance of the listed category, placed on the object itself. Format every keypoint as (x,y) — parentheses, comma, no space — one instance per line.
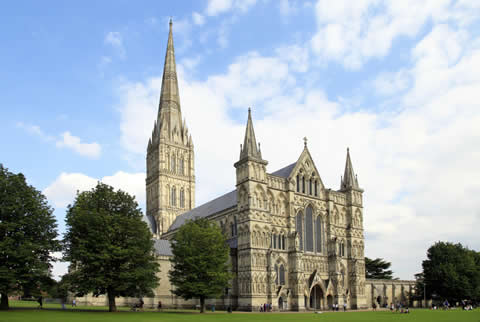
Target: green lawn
(30,315)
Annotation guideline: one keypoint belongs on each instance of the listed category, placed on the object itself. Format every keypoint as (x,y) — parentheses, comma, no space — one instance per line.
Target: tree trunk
(111,302)
(4,301)
(202,304)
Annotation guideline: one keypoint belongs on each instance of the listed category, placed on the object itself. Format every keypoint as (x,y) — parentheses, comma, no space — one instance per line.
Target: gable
(306,167)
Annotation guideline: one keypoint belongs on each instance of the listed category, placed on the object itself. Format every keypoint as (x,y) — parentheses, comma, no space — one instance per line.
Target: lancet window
(182,198)
(300,229)
(173,164)
(282,275)
(309,229)
(173,196)
(181,169)
(318,230)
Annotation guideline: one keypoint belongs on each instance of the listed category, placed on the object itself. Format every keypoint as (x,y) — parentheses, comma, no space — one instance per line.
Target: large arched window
(173,197)
(276,273)
(182,167)
(235,226)
(300,229)
(309,229)
(173,164)
(318,231)
(282,275)
(182,198)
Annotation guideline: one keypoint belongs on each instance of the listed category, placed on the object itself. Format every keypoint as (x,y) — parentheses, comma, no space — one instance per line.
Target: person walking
(344,307)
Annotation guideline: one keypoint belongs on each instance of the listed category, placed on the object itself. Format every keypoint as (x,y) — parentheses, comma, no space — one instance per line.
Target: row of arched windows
(234,227)
(280,274)
(310,235)
(309,186)
(173,165)
(278,242)
(173,197)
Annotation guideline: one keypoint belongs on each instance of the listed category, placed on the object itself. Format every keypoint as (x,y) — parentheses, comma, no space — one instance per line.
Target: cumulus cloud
(90,150)
(67,140)
(115,39)
(216,7)
(351,33)
(198,19)
(35,130)
(63,190)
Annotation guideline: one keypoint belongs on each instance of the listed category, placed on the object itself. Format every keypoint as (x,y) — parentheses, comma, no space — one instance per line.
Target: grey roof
(162,247)
(285,172)
(226,201)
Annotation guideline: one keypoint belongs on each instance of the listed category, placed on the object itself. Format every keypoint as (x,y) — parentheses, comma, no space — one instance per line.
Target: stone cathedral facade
(294,242)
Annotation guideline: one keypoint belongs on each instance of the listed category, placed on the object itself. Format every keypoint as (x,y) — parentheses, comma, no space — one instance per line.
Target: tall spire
(169,107)
(349,180)
(250,147)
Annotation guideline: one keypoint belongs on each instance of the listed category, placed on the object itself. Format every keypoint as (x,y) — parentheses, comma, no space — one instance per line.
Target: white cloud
(216,7)
(353,32)
(114,38)
(90,150)
(287,7)
(63,190)
(35,130)
(198,19)
(390,83)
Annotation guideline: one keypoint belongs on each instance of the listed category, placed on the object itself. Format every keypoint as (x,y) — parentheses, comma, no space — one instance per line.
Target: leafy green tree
(200,261)
(378,268)
(452,271)
(28,234)
(109,246)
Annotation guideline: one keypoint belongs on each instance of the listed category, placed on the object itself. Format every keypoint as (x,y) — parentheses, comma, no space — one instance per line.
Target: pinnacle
(250,147)
(349,179)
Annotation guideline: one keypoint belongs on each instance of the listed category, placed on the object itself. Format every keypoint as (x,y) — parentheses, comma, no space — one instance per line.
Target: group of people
(336,307)
(399,308)
(266,307)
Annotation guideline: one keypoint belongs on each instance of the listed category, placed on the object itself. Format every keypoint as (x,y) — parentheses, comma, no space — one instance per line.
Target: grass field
(33,315)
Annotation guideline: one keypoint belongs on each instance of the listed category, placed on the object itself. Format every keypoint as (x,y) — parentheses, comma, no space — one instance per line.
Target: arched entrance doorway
(281,303)
(316,298)
(330,301)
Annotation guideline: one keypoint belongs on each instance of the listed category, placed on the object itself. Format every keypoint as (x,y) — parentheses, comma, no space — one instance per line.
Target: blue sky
(396,81)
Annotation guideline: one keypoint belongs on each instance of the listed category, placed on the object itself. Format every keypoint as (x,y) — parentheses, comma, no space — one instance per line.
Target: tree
(378,268)
(28,233)
(452,271)
(109,246)
(200,261)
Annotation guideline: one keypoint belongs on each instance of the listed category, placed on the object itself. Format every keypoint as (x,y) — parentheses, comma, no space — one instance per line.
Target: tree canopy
(200,266)
(378,268)
(452,271)
(109,246)
(28,233)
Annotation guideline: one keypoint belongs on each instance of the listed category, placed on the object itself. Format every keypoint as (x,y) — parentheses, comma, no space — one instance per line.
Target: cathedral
(293,242)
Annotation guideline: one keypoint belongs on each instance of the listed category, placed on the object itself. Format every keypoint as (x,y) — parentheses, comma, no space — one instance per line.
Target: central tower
(170,179)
